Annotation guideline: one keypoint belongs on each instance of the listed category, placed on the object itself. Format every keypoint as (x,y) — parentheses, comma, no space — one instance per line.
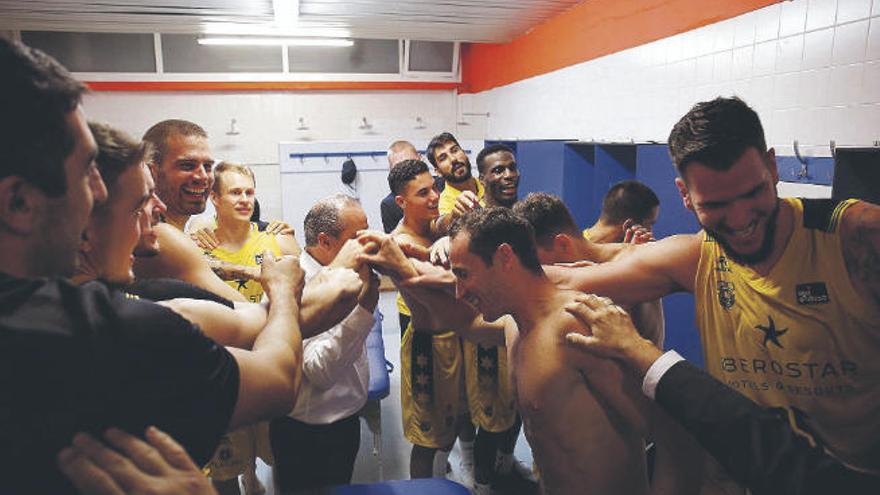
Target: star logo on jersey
(242,284)
(487,364)
(421,360)
(771,333)
(726,294)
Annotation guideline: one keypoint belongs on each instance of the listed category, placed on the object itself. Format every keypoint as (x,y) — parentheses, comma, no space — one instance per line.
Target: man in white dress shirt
(316,445)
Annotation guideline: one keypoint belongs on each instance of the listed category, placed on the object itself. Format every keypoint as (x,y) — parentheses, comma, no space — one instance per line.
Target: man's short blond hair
(230,167)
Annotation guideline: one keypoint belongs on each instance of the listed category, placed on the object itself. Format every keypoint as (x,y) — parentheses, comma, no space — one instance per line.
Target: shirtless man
(182,166)
(559,241)
(629,210)
(787,290)
(432,365)
(497,271)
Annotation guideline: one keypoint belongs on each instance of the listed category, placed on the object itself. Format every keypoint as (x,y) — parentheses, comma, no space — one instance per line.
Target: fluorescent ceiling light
(286,12)
(277,41)
(300,30)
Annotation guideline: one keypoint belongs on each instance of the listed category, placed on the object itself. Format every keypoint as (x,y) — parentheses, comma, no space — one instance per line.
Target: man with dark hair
(398,152)
(578,440)
(87,358)
(463,192)
(391,213)
(431,364)
(182,166)
(787,290)
(499,175)
(116,225)
(629,210)
(560,241)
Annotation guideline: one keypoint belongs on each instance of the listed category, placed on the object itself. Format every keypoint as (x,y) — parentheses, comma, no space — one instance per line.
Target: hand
(634,233)
(281,275)
(278,227)
(465,202)
(414,250)
(205,238)
(440,252)
(369,296)
(388,257)
(158,466)
(612,333)
(348,254)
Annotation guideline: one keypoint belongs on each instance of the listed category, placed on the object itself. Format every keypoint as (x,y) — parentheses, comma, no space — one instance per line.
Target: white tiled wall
(811,68)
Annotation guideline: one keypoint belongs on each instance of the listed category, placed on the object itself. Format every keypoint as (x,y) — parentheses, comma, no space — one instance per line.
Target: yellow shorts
(237,450)
(489,397)
(431,387)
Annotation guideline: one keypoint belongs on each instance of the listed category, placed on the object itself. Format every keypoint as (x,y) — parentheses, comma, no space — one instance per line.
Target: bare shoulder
(177,254)
(288,245)
(860,235)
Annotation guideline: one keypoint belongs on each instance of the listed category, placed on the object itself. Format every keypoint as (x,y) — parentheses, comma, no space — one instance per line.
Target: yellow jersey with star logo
(802,338)
(251,254)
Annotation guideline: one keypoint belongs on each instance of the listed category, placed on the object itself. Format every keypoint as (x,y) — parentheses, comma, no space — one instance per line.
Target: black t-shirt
(86,358)
(163,289)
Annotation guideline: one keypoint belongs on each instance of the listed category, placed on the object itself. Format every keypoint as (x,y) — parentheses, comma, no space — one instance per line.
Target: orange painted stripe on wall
(587,31)
(267,86)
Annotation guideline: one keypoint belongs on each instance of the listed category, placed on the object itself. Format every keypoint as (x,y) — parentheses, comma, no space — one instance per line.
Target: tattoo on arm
(864,262)
(230,271)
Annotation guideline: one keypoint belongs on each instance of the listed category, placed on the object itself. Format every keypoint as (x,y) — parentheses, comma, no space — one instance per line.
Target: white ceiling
(441,20)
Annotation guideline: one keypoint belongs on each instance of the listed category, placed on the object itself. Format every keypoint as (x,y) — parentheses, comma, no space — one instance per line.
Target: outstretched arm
(270,374)
(230,327)
(649,272)
(180,258)
(328,298)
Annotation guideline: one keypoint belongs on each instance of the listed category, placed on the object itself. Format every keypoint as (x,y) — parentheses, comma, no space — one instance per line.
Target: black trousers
(314,456)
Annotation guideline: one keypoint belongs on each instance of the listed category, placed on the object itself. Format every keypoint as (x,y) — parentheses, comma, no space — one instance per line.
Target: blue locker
(654,168)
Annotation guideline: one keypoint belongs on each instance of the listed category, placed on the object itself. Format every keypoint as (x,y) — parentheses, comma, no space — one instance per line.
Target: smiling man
(463,192)
(580,438)
(787,290)
(182,167)
(85,358)
(499,175)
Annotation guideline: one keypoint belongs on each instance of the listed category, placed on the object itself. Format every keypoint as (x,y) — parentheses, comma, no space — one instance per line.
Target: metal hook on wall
(232,129)
(803,173)
(302,124)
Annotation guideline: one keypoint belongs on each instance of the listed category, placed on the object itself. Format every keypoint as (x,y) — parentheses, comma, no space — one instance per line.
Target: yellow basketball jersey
(450,193)
(251,254)
(802,338)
